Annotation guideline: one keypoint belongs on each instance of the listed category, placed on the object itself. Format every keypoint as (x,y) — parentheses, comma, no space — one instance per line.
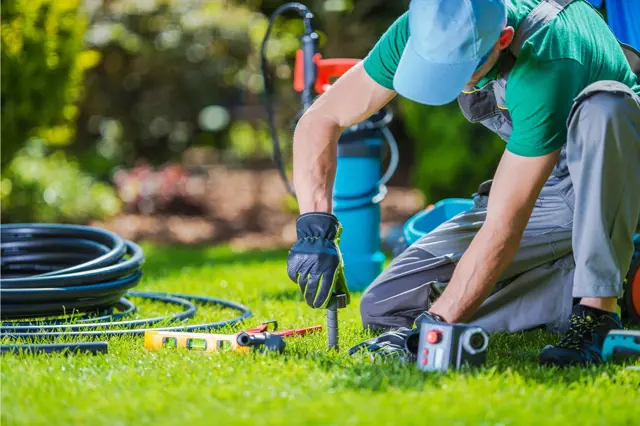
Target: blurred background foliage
(91,87)
(43,61)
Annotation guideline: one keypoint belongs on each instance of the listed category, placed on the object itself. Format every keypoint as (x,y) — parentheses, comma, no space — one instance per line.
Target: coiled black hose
(55,269)
(50,270)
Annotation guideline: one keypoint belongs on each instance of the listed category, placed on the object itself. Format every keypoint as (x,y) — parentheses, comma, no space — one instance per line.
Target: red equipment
(632,296)
(264,327)
(327,70)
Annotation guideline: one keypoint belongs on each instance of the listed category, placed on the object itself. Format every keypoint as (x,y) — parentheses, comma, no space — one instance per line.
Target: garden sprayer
(359,183)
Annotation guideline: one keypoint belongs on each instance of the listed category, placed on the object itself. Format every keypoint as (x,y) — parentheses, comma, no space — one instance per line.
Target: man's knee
(370,304)
(392,302)
(403,289)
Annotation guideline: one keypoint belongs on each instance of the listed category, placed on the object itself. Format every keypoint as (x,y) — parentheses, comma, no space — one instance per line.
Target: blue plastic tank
(357,196)
(427,220)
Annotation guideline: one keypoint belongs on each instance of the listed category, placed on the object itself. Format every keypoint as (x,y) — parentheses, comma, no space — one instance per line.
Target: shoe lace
(580,327)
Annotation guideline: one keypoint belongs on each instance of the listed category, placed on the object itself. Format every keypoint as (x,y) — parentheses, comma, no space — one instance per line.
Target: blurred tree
(182,73)
(174,74)
(43,60)
(37,187)
(185,73)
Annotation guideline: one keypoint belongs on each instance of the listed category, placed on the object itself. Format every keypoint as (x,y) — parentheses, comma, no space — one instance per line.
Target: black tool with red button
(450,346)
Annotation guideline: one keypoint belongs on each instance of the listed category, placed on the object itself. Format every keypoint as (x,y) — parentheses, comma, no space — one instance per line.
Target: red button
(426,352)
(424,361)
(434,336)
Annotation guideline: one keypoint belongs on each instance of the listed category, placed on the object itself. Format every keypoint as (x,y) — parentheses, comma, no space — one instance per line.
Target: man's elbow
(317,121)
(503,232)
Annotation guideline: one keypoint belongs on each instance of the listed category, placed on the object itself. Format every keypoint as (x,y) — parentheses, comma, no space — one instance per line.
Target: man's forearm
(314,162)
(488,255)
(351,99)
(494,247)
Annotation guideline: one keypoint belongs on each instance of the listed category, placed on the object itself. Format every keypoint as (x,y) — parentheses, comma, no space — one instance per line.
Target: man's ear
(506,37)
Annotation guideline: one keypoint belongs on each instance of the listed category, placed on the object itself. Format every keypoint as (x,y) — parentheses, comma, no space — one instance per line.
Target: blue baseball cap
(448,40)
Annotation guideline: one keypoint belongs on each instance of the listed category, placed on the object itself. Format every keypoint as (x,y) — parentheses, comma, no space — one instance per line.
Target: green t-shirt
(574,50)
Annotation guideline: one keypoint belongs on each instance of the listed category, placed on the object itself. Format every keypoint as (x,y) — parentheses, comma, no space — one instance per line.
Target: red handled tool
(264,327)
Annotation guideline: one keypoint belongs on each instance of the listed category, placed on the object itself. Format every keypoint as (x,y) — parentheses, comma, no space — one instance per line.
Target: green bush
(452,156)
(174,75)
(40,188)
(42,67)
(43,64)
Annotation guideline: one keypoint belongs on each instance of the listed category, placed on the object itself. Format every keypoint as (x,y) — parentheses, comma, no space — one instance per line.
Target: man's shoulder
(578,31)
(533,74)
(382,61)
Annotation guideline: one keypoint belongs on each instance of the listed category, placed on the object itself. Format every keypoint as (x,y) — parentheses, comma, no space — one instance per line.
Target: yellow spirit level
(204,342)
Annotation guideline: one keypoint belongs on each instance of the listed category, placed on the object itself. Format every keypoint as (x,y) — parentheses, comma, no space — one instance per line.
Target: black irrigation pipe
(51,270)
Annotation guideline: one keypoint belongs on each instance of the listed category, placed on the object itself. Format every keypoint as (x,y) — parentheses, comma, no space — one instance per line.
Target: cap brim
(430,83)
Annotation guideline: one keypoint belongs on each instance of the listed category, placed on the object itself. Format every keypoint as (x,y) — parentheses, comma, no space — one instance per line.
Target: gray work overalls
(578,241)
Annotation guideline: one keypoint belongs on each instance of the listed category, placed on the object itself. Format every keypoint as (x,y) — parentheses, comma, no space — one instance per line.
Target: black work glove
(315,262)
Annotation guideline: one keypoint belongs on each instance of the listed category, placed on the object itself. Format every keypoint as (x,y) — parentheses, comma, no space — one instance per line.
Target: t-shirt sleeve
(382,61)
(539,102)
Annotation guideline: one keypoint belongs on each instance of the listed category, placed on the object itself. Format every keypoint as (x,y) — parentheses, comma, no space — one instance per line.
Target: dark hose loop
(50,269)
(124,306)
(62,278)
(87,271)
(21,232)
(109,329)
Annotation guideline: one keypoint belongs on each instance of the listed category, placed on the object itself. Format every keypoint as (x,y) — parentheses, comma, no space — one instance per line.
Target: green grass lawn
(306,385)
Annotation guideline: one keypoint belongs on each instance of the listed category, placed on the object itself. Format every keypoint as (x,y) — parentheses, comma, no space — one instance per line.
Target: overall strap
(633,57)
(541,15)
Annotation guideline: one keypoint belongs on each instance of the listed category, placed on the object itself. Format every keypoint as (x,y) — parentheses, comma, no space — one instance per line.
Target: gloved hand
(315,262)
(401,343)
